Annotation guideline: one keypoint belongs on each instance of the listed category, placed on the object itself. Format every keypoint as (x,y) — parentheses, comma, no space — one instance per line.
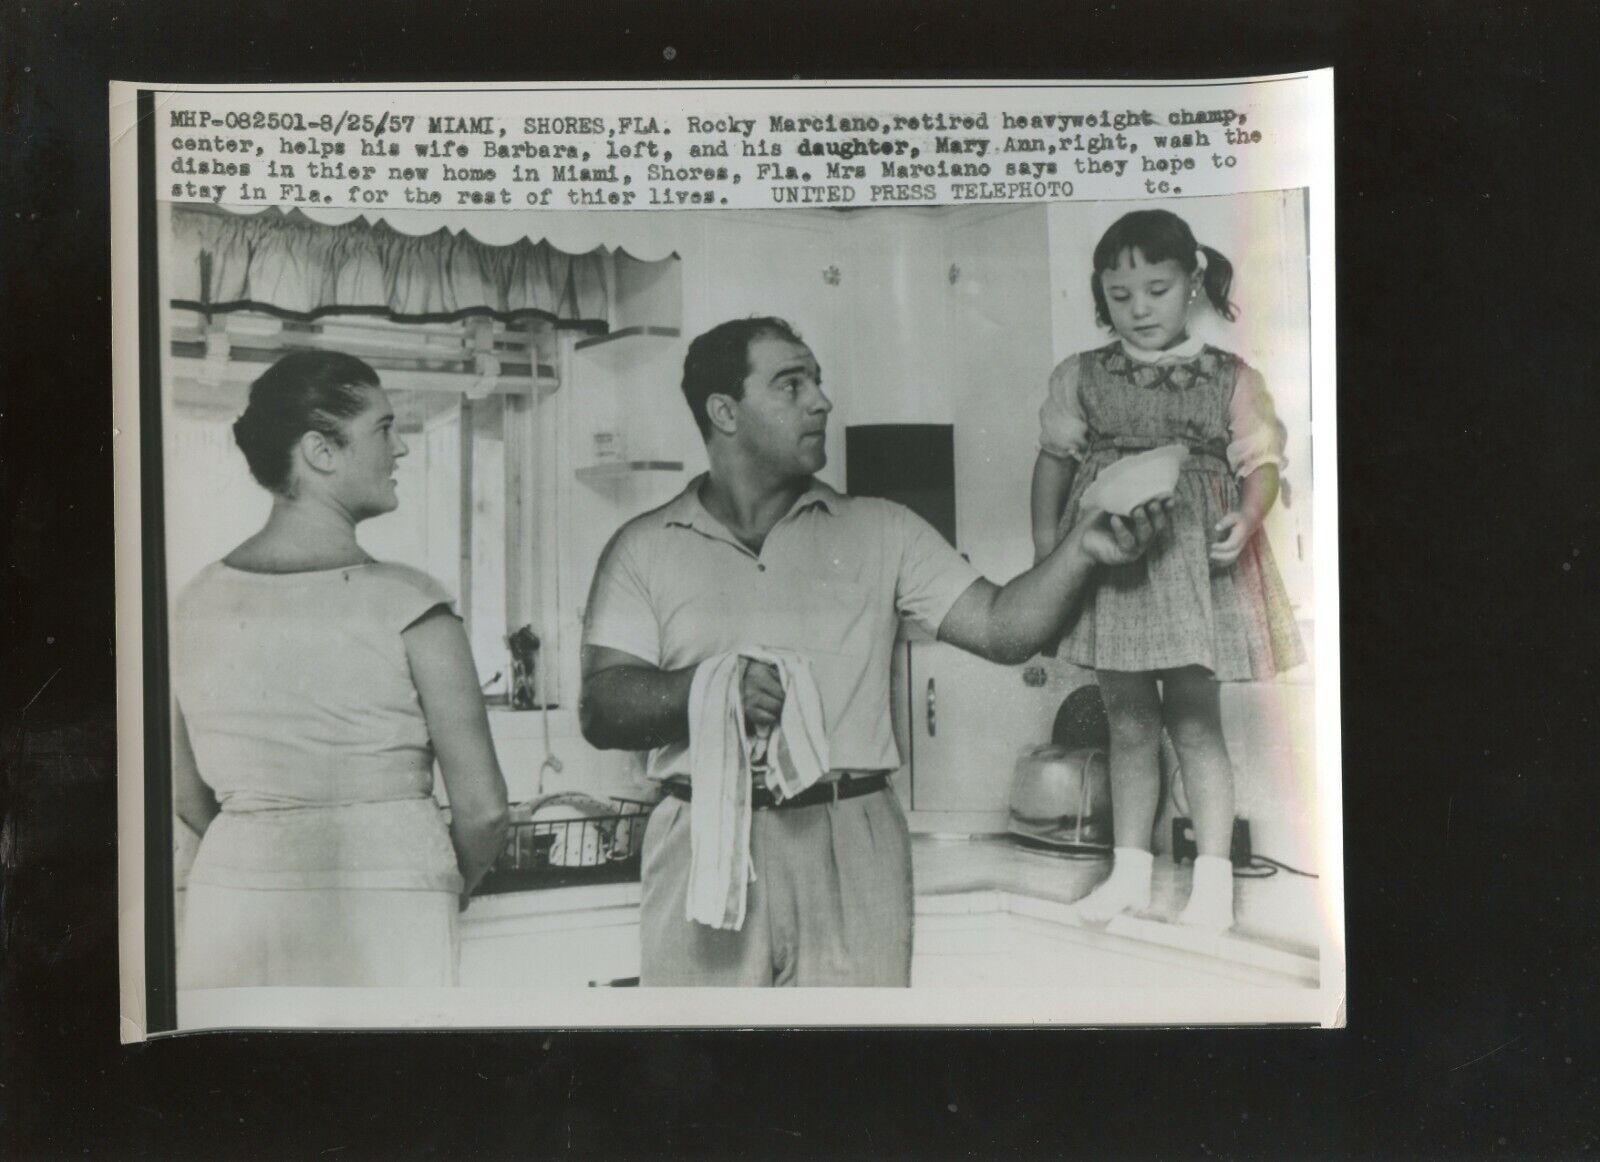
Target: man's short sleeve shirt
(834,576)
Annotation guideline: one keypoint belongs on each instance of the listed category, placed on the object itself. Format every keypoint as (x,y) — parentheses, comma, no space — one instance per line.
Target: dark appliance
(913,464)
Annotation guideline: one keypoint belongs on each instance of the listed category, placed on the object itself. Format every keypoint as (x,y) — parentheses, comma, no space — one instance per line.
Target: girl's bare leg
(1192,711)
(1133,706)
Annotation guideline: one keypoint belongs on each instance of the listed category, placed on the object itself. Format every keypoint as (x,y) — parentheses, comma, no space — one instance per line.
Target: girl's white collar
(1189,348)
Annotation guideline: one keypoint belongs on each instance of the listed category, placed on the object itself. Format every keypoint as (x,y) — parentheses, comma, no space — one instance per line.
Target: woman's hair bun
(304,391)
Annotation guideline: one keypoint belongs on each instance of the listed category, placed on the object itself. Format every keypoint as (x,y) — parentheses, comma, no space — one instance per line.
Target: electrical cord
(1263,867)
(1050,850)
(1260,867)
(1254,871)
(1062,853)
(1278,865)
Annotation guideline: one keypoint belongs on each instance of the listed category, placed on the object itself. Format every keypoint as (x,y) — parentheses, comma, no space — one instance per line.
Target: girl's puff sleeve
(1063,430)
(1257,436)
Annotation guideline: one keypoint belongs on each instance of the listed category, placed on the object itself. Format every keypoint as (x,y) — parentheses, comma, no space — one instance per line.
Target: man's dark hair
(719,360)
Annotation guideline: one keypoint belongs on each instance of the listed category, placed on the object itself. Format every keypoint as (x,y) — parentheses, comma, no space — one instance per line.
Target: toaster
(1061,797)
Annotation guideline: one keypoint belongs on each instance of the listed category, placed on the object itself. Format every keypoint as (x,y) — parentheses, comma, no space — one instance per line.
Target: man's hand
(1114,540)
(761,691)
(1010,624)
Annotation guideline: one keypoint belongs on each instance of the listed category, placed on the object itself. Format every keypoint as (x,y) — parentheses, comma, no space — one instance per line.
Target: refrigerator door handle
(933,725)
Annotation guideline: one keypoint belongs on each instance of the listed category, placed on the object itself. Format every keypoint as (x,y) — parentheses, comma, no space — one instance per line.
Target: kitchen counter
(1279,911)
(575,936)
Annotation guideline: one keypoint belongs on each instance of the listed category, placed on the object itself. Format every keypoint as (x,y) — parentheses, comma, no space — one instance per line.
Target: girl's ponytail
(1218,281)
(1160,235)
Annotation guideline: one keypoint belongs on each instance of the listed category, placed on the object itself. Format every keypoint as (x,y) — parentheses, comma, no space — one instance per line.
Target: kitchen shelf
(625,338)
(241,372)
(622,468)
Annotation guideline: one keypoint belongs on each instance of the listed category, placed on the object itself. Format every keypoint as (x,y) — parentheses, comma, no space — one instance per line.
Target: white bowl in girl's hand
(1131,481)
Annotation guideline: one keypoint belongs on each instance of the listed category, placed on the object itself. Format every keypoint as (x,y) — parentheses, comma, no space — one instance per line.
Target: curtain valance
(289,265)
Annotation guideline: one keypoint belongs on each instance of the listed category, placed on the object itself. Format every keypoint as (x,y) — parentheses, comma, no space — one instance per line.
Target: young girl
(1205,604)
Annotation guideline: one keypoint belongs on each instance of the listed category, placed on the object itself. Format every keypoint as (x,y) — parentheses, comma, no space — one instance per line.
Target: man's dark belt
(845,787)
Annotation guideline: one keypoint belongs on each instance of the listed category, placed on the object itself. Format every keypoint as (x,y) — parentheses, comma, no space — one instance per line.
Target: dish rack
(563,840)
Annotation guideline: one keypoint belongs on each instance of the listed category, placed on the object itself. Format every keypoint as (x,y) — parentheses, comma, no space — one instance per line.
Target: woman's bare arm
(191,798)
(458,724)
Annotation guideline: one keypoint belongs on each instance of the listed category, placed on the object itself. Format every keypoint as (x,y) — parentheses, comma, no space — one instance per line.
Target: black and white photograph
(834,611)
(859,582)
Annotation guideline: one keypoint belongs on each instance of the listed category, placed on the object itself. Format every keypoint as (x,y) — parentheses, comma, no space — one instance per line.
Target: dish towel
(721,755)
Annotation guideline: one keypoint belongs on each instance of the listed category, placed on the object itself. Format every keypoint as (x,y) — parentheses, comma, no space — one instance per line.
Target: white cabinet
(561,938)
(999,359)
(962,723)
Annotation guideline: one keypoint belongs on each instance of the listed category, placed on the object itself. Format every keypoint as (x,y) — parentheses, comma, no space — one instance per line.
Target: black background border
(1468,291)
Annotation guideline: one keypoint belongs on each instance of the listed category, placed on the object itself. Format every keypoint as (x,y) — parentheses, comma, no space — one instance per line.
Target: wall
(211,501)
(997,320)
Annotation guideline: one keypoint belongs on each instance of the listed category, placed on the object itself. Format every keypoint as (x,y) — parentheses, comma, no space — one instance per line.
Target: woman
(315,689)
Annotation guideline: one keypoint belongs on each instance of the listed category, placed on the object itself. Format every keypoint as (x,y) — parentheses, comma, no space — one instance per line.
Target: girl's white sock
(1126,889)
(1211,895)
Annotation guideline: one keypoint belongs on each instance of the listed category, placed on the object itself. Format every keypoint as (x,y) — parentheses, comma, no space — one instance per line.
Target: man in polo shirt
(757,553)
